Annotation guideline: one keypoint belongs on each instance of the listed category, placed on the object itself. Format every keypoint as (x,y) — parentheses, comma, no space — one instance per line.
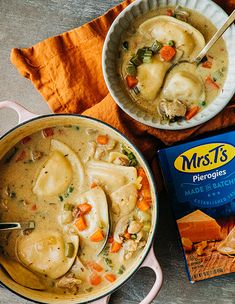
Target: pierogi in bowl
(175,34)
(158,94)
(91,200)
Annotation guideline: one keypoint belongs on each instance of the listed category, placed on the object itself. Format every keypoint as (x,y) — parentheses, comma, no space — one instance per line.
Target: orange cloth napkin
(67,72)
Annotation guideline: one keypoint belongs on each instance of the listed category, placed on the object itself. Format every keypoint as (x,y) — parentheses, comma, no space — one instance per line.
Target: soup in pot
(88,199)
(150,48)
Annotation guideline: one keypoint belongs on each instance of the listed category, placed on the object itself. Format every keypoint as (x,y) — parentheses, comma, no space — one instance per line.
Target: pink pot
(30,123)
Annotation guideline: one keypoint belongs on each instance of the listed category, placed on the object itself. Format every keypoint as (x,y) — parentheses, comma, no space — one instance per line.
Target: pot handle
(23,113)
(151,262)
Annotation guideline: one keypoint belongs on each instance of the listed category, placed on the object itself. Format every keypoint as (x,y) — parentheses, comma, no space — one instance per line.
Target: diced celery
(69,250)
(156,46)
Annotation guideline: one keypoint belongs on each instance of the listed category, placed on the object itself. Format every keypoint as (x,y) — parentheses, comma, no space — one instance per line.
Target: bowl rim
(171,126)
(156,204)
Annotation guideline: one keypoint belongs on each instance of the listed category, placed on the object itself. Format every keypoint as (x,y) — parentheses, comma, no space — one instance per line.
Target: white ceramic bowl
(112,43)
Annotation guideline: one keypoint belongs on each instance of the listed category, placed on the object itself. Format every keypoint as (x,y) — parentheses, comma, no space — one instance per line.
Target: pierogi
(90,201)
(154,43)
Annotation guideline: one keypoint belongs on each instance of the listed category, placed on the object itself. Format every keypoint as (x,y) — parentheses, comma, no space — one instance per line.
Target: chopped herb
(61,198)
(121,269)
(89,289)
(134,236)
(77,128)
(171,43)
(156,46)
(106,251)
(71,189)
(140,53)
(68,207)
(147,58)
(203,103)
(66,195)
(133,161)
(136,60)
(136,90)
(65,155)
(10,155)
(125,45)
(108,262)
(131,69)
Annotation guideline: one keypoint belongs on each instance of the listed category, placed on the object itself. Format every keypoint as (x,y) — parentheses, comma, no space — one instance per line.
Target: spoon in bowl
(16,226)
(209,44)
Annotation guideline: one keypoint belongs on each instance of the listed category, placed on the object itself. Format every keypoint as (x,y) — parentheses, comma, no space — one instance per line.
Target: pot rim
(150,238)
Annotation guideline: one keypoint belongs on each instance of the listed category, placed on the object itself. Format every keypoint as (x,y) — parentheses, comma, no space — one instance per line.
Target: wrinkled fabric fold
(67,71)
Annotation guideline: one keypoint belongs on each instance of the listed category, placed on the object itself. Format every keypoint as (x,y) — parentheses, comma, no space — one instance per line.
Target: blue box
(200,178)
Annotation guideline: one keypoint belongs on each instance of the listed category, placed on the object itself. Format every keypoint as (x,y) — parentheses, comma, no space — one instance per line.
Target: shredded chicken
(173,108)
(91,131)
(36,155)
(134,227)
(130,245)
(100,152)
(69,283)
(91,149)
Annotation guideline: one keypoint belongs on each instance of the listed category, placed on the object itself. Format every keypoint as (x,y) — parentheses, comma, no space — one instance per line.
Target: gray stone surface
(25,22)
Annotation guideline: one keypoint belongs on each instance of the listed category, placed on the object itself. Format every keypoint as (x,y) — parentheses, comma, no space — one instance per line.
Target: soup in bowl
(92,202)
(155,80)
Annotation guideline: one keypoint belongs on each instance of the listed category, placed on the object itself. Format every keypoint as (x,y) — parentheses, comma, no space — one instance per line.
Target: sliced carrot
(110,277)
(102,139)
(21,156)
(169,12)
(212,83)
(144,181)
(48,132)
(81,223)
(131,81)
(95,279)
(127,235)
(85,208)
(167,52)
(192,112)
(95,266)
(97,236)
(25,140)
(143,204)
(207,64)
(145,193)
(93,185)
(110,239)
(115,247)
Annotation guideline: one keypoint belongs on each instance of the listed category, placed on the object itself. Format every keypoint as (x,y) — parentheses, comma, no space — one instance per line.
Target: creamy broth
(67,179)
(148,94)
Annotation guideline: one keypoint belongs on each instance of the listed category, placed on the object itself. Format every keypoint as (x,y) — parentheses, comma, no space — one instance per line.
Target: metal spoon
(16,226)
(209,44)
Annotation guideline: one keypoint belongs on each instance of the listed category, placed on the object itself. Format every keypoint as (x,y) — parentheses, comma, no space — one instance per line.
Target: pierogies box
(200,178)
